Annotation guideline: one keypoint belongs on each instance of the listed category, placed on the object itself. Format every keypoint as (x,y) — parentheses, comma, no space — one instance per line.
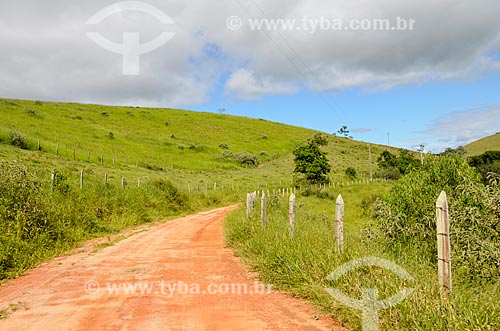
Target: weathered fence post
(339,223)
(248,204)
(443,245)
(138,181)
(291,215)
(88,156)
(57,149)
(105,178)
(81,179)
(74,153)
(38,147)
(52,180)
(123,182)
(263,210)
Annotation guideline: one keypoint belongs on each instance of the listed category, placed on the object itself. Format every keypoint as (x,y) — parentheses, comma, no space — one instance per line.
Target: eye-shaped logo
(130,49)
(369,304)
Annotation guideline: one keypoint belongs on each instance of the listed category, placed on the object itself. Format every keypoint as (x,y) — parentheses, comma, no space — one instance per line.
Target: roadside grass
(41,220)
(301,265)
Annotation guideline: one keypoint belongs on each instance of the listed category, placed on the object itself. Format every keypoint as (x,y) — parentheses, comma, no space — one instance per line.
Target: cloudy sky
(437,83)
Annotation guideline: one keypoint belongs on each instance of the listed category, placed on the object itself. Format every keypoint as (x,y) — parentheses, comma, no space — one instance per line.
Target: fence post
(138,181)
(263,210)
(81,179)
(74,153)
(291,215)
(339,223)
(38,147)
(105,178)
(123,182)
(52,180)
(248,204)
(57,149)
(443,245)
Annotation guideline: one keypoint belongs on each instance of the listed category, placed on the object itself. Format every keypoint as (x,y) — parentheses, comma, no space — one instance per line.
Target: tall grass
(301,265)
(40,219)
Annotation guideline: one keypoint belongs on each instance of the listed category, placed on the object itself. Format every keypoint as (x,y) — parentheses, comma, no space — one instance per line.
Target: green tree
(311,161)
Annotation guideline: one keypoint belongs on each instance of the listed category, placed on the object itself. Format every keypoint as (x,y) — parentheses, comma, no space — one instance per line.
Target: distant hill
(490,143)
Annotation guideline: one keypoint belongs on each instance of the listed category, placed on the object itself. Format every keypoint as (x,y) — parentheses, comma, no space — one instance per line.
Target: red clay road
(174,276)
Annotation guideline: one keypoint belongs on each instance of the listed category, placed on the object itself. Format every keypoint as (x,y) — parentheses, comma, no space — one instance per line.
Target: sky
(428,74)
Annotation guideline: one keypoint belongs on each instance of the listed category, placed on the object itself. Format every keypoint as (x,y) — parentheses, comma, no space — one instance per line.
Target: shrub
(18,140)
(406,216)
(227,154)
(388,173)
(247,159)
(350,172)
(223,146)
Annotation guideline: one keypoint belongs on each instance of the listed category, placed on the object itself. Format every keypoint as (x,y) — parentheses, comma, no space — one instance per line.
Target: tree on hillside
(311,161)
(343,131)
(460,150)
(486,164)
(392,166)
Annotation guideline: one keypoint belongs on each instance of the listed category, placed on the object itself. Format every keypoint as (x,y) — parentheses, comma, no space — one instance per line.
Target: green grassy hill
(184,146)
(490,143)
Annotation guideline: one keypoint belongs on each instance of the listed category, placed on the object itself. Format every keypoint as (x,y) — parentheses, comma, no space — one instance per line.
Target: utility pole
(370,159)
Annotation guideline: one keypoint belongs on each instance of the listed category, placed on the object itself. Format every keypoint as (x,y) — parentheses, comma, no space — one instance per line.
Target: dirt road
(175,276)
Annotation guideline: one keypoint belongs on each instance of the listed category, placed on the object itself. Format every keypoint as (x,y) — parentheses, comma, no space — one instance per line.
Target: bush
(223,146)
(406,216)
(18,140)
(388,173)
(247,159)
(350,172)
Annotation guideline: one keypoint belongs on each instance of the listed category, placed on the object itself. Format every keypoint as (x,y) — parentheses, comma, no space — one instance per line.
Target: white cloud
(45,53)
(462,127)
(243,84)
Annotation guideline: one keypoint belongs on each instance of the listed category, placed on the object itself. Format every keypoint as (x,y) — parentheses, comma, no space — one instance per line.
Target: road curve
(174,276)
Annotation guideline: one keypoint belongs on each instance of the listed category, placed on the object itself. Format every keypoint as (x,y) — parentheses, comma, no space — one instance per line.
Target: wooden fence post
(57,149)
(81,179)
(138,181)
(291,215)
(339,223)
(263,210)
(248,204)
(123,182)
(443,245)
(52,180)
(38,147)
(105,178)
